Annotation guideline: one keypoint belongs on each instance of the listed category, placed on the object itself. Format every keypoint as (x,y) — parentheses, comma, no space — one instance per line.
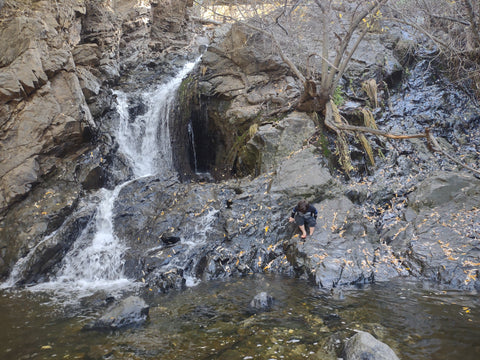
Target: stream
(212,321)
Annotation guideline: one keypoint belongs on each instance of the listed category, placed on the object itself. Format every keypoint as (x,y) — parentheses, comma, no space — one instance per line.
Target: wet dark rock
(31,222)
(41,261)
(262,302)
(442,188)
(344,250)
(132,311)
(163,281)
(445,244)
(169,240)
(95,179)
(363,346)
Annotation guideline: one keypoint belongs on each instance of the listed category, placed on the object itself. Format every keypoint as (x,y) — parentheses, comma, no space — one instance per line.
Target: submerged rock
(262,302)
(131,311)
(363,346)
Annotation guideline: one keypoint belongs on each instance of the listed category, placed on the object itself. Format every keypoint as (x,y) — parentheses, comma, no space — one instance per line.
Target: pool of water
(213,321)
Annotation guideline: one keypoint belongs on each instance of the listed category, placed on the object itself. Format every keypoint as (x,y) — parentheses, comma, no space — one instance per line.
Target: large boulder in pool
(131,311)
(261,302)
(363,346)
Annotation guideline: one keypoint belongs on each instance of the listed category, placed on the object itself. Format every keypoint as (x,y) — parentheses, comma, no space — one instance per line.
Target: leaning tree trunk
(313,99)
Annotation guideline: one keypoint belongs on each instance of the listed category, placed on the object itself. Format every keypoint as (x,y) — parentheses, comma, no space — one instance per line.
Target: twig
(435,146)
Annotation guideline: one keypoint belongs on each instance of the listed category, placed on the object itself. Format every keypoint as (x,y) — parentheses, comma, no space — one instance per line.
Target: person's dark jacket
(311,209)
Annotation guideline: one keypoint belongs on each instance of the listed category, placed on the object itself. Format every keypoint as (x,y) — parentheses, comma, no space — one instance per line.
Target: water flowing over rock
(55,80)
(119,171)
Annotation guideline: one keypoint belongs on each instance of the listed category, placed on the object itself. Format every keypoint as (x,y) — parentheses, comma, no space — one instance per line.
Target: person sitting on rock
(303,215)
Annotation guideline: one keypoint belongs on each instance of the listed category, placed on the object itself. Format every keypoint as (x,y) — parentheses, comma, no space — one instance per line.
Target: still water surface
(213,321)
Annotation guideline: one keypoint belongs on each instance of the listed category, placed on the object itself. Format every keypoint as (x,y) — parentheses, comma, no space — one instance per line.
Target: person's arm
(294,211)
(313,211)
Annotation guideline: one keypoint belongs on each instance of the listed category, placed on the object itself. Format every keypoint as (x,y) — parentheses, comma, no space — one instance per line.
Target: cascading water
(146,141)
(191,135)
(95,260)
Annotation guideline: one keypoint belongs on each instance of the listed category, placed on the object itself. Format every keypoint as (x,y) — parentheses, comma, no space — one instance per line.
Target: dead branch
(473,22)
(452,19)
(435,39)
(205,21)
(436,147)
(432,142)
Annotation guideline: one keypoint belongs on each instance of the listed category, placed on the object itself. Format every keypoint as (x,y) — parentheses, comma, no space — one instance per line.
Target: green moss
(186,87)
(324,146)
(337,96)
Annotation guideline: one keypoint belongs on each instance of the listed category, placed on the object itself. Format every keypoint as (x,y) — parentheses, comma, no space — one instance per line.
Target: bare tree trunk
(474,29)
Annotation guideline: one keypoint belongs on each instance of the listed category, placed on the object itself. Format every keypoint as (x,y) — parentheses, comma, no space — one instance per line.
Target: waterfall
(146,141)
(191,135)
(95,261)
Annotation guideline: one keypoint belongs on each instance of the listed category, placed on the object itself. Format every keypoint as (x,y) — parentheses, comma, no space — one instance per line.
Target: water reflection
(213,321)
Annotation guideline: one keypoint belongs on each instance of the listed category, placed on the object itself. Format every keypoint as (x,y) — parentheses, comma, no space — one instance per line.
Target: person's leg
(300,221)
(311,224)
(304,233)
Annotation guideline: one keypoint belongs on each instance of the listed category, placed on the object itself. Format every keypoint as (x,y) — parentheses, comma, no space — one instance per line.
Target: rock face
(243,82)
(275,141)
(363,346)
(441,249)
(56,64)
(248,88)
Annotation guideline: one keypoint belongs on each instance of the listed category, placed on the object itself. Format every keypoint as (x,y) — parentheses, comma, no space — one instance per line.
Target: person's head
(302,206)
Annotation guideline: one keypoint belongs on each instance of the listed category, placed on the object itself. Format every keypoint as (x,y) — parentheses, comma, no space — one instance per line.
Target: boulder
(86,55)
(132,311)
(261,302)
(275,141)
(344,249)
(441,188)
(363,346)
(302,175)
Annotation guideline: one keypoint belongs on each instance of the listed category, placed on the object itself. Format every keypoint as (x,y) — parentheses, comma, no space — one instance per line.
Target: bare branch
(205,21)
(424,31)
(473,22)
(452,19)
(346,40)
(432,142)
(279,16)
(435,146)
